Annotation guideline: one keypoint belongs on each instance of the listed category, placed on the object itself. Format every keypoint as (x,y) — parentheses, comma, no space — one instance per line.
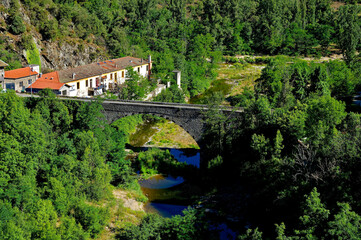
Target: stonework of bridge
(189,117)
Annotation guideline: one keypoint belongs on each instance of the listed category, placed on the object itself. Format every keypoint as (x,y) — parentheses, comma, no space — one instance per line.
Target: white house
(91,79)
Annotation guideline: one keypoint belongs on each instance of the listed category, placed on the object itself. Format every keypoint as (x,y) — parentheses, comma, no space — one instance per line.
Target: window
(91,82)
(21,84)
(30,81)
(147,68)
(86,83)
(78,85)
(122,74)
(138,69)
(111,76)
(116,76)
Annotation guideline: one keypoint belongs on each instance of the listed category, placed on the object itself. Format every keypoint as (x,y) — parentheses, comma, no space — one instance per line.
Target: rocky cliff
(54,54)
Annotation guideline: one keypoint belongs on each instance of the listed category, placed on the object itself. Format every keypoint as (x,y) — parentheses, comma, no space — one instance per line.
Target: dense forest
(56,158)
(190,35)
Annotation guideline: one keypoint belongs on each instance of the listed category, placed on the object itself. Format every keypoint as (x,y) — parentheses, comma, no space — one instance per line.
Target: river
(166,193)
(171,195)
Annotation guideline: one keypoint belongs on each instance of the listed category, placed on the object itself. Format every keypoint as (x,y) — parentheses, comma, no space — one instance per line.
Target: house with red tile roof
(48,80)
(19,79)
(91,79)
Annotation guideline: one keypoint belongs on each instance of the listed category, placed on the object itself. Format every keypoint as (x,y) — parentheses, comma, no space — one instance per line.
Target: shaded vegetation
(56,159)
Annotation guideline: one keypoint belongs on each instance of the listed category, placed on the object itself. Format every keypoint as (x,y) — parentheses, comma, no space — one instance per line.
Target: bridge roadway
(189,116)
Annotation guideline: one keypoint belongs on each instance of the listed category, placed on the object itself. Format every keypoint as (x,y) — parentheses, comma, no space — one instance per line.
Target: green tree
(44,220)
(346,224)
(348,30)
(314,218)
(324,114)
(135,86)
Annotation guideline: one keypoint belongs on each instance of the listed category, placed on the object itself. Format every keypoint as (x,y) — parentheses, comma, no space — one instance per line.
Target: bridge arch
(190,119)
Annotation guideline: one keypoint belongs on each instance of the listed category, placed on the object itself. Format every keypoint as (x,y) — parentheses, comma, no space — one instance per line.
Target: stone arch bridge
(188,116)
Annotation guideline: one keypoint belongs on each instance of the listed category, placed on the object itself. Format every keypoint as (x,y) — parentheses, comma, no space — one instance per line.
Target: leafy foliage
(53,165)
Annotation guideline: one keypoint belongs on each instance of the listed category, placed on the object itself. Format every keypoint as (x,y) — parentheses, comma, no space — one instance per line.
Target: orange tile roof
(48,80)
(19,73)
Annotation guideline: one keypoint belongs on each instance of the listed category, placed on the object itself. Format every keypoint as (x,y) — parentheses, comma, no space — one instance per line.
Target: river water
(165,192)
(171,195)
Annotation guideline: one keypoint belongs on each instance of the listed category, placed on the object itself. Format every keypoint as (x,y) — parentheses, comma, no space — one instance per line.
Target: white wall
(83,90)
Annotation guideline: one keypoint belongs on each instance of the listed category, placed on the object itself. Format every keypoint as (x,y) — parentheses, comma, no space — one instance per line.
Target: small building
(3,65)
(20,79)
(51,81)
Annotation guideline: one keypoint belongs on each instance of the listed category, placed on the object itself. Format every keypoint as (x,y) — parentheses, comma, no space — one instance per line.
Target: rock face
(6,3)
(54,55)
(62,55)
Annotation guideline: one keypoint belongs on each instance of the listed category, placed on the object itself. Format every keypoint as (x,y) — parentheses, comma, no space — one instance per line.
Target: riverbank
(125,209)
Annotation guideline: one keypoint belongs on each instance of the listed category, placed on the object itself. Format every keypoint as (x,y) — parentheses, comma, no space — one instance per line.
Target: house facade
(20,79)
(93,79)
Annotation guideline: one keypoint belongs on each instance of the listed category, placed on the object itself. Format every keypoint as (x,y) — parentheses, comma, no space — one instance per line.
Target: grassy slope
(33,55)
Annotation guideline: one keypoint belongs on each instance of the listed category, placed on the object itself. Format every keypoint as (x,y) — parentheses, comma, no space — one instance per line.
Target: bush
(16,25)
(92,218)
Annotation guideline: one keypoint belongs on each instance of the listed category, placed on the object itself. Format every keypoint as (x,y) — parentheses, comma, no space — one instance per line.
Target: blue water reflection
(191,157)
(165,210)
(161,182)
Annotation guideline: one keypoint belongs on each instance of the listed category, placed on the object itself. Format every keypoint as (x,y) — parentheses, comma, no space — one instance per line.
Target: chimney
(74,75)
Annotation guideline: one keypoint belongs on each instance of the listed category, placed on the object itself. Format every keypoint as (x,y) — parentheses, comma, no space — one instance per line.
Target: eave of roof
(19,73)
